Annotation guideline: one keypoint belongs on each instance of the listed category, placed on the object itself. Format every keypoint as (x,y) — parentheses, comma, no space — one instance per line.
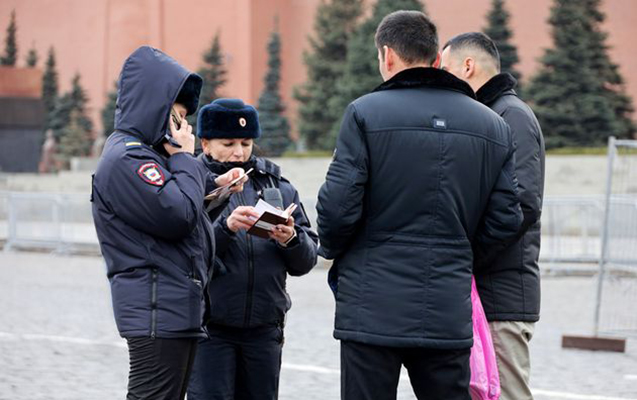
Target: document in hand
(269,217)
(221,194)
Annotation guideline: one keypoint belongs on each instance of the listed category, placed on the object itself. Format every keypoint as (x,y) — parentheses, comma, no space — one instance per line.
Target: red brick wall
(94,37)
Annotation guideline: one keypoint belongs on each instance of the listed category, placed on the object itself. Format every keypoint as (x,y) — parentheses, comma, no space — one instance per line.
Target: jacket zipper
(153,305)
(250,283)
(248,312)
(193,272)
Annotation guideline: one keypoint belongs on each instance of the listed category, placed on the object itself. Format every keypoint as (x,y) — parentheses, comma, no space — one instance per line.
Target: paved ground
(58,338)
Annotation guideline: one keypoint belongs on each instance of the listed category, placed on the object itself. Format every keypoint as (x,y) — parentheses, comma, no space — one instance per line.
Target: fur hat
(228,119)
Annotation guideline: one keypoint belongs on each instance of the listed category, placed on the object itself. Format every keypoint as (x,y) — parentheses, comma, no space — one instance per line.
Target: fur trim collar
(426,77)
(496,87)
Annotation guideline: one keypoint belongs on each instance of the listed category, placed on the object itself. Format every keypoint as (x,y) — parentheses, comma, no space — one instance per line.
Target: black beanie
(228,119)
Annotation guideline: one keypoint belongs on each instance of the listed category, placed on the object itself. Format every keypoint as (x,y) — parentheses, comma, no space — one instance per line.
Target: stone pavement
(58,339)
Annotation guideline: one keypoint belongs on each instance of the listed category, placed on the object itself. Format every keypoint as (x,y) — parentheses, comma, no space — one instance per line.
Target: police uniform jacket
(249,288)
(148,210)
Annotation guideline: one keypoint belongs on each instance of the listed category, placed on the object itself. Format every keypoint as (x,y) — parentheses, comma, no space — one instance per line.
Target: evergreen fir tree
(498,30)
(72,108)
(213,72)
(214,77)
(32,58)
(613,86)
(49,87)
(333,26)
(275,129)
(108,112)
(572,94)
(10,46)
(60,117)
(75,140)
(361,68)
(79,102)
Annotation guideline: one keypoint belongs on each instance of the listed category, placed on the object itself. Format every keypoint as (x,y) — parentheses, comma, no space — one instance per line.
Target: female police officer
(242,357)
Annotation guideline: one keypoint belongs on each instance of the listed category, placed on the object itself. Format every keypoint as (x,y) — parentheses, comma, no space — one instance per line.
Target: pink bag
(485,380)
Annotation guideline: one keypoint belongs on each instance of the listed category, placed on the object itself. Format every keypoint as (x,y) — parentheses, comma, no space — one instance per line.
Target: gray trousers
(511,341)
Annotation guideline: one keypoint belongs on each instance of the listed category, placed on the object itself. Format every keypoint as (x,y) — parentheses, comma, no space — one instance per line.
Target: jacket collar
(426,77)
(265,166)
(261,165)
(496,87)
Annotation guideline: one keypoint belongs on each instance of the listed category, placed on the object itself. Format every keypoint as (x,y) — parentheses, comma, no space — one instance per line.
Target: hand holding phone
(175,117)
(176,122)
(230,182)
(181,138)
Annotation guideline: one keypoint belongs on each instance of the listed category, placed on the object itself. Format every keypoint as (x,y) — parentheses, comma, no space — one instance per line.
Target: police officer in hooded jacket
(156,239)
(422,173)
(248,301)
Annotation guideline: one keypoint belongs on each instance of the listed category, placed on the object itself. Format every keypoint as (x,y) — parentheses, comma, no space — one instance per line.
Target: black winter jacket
(249,289)
(148,210)
(421,172)
(508,278)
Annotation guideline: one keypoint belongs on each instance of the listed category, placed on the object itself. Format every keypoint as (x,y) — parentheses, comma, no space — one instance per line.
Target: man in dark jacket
(154,234)
(508,277)
(421,172)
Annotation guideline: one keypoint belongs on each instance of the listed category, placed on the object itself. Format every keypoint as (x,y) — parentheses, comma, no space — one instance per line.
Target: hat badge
(243,122)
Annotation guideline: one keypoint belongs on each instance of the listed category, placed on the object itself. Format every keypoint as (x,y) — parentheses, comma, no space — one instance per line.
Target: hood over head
(149,84)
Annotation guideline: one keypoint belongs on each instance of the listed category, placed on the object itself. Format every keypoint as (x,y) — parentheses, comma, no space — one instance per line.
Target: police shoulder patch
(131,143)
(151,173)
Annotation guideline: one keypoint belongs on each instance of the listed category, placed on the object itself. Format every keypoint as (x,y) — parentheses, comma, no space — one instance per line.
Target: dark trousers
(159,368)
(237,364)
(372,372)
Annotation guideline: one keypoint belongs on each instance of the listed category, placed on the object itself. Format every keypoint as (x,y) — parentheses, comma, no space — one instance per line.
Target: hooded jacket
(155,237)
(422,172)
(250,289)
(508,277)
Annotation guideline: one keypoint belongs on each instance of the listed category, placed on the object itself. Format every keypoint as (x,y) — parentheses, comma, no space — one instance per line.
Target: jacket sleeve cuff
(291,243)
(210,182)
(223,227)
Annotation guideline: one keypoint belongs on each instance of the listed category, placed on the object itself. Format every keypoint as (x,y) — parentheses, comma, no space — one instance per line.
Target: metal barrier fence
(617,278)
(572,230)
(571,226)
(59,222)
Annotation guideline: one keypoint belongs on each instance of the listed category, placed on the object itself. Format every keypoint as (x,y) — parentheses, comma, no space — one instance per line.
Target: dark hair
(478,41)
(411,34)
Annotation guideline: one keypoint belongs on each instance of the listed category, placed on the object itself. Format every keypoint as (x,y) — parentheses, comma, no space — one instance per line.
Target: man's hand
(240,218)
(283,233)
(231,175)
(183,136)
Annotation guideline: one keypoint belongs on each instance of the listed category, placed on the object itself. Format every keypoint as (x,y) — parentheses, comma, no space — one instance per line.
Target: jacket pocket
(153,302)
(196,295)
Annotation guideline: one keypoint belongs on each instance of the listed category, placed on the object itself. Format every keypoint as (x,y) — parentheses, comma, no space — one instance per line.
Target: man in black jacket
(421,173)
(508,278)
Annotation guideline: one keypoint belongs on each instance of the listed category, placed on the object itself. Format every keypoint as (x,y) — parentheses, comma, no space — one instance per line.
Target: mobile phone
(236,181)
(174,115)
